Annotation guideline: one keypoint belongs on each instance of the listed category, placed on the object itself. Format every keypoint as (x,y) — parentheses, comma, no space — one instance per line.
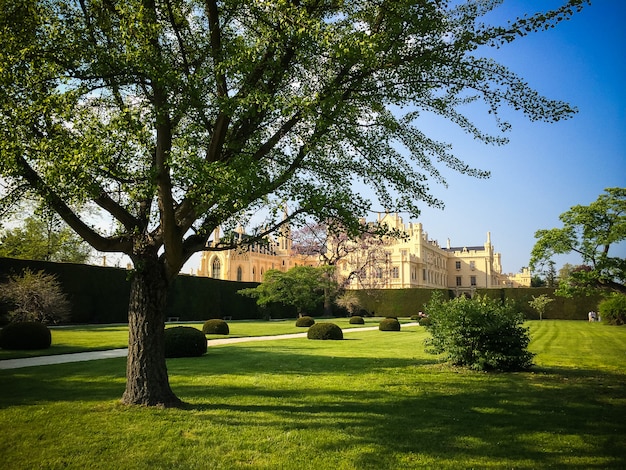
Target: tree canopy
(43,237)
(302,287)
(589,231)
(174,117)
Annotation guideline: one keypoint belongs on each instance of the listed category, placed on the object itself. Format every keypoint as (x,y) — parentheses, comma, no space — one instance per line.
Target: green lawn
(71,339)
(372,401)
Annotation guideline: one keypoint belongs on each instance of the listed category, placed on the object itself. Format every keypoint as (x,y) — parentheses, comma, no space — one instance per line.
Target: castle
(411,261)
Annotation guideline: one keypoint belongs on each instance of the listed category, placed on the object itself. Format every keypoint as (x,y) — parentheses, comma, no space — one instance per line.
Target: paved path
(110,353)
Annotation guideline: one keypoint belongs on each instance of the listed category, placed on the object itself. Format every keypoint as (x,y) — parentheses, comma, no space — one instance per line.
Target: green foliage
(357,320)
(212,113)
(305,321)
(424,321)
(35,297)
(46,238)
(215,326)
(589,231)
(184,341)
(25,335)
(540,303)
(613,310)
(302,287)
(479,333)
(325,330)
(389,324)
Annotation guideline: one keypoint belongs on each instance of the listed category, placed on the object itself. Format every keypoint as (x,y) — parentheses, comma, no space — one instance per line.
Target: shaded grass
(373,401)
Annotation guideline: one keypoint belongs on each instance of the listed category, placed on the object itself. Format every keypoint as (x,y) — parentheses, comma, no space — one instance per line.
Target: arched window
(239,274)
(253,275)
(216,269)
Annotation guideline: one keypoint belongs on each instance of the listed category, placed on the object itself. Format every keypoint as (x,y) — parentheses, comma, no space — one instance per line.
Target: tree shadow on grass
(419,410)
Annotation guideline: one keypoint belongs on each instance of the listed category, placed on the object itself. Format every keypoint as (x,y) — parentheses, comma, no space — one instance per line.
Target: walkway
(111,353)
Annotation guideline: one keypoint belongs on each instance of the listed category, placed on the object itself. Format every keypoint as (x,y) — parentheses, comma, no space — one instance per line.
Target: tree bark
(147,381)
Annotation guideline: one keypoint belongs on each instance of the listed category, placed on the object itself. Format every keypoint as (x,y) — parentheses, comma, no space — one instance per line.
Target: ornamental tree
(302,287)
(590,231)
(174,117)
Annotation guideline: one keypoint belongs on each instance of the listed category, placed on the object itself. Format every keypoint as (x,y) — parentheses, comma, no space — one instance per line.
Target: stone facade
(413,261)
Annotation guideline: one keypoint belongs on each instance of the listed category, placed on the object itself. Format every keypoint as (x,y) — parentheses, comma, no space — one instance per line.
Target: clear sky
(546,168)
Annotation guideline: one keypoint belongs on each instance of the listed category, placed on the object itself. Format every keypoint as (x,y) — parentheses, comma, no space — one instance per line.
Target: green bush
(357,320)
(305,321)
(479,333)
(215,326)
(424,321)
(325,331)
(613,310)
(389,324)
(25,335)
(184,341)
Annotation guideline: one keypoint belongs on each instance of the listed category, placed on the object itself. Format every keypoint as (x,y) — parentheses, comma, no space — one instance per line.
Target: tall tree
(589,231)
(174,117)
(44,236)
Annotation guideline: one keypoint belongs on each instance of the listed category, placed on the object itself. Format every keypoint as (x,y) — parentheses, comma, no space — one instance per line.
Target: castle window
(395,272)
(216,269)
(473,281)
(472,265)
(239,274)
(458,281)
(458,265)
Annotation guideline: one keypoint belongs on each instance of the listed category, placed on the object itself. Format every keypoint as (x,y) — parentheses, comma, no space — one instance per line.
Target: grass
(373,401)
(71,339)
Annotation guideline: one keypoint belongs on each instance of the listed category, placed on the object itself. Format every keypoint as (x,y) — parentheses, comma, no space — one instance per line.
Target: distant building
(412,261)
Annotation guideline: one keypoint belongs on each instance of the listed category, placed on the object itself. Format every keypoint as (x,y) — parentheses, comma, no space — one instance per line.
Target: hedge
(100,295)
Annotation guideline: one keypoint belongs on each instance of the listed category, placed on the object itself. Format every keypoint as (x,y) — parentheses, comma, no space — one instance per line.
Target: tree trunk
(147,382)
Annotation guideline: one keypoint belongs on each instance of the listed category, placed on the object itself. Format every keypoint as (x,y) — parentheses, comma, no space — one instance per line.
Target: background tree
(45,237)
(589,231)
(302,287)
(176,117)
(540,303)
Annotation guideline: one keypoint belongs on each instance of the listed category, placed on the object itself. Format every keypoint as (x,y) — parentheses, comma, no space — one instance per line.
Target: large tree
(590,231)
(174,117)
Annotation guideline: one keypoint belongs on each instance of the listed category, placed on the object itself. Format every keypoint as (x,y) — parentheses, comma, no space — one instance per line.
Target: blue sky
(546,168)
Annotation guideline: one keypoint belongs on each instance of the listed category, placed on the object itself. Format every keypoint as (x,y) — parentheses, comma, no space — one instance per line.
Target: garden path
(110,353)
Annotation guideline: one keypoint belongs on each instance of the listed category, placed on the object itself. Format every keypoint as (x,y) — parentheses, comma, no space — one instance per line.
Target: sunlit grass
(373,401)
(80,338)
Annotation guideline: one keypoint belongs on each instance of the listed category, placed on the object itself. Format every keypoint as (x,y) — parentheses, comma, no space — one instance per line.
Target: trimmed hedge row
(100,295)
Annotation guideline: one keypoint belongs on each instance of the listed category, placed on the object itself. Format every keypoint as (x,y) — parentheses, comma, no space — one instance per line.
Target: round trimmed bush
(25,335)
(389,324)
(325,331)
(305,321)
(215,327)
(357,320)
(184,341)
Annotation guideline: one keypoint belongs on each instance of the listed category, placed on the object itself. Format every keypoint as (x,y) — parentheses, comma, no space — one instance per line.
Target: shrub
(35,297)
(613,310)
(215,327)
(325,331)
(357,320)
(25,335)
(424,321)
(389,324)
(305,321)
(184,341)
(479,333)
